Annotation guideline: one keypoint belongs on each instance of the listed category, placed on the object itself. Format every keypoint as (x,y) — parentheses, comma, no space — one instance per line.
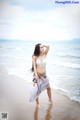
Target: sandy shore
(14,99)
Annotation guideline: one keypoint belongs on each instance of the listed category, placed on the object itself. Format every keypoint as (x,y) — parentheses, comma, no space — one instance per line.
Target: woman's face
(41,49)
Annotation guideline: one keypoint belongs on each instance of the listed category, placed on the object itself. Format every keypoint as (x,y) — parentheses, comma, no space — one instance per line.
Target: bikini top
(43,63)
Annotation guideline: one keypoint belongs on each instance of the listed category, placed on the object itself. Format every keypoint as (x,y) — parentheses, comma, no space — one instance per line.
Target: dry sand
(14,99)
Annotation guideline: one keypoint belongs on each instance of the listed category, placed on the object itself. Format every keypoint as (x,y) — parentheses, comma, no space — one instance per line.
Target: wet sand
(14,99)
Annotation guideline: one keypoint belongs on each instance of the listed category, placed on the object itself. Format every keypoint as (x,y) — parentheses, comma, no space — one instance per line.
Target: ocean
(63,63)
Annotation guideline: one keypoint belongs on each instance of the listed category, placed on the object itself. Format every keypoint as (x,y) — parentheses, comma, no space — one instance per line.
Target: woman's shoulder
(34,57)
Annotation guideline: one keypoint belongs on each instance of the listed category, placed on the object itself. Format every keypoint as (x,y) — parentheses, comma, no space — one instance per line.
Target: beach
(14,99)
(24,25)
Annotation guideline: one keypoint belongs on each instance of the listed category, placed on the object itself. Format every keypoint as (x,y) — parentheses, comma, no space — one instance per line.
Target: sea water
(63,63)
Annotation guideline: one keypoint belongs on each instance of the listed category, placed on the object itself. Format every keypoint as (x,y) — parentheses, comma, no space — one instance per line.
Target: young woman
(40,79)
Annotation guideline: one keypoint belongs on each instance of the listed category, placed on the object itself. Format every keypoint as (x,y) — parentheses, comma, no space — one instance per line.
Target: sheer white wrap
(42,84)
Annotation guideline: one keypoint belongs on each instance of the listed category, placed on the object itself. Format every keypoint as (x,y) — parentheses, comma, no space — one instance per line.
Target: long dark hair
(36,53)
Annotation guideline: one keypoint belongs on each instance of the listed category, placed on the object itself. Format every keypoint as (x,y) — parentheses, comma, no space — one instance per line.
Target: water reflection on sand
(47,113)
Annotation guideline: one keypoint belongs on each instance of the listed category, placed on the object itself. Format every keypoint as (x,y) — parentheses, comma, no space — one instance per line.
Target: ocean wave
(67,86)
(15,57)
(12,48)
(73,96)
(65,64)
(69,56)
(15,48)
(69,94)
(18,48)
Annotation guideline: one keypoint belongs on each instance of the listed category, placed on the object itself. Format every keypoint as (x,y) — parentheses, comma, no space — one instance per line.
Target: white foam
(15,57)
(66,64)
(67,93)
(19,48)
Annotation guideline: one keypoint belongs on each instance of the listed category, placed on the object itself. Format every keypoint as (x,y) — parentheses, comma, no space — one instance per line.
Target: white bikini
(43,63)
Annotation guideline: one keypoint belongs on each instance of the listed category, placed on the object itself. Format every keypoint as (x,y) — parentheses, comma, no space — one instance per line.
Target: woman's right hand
(36,77)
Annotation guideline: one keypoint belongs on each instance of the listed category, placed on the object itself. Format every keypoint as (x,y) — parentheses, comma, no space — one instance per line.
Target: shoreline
(14,99)
(64,94)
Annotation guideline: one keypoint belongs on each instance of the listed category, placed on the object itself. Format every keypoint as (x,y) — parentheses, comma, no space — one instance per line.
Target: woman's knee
(49,88)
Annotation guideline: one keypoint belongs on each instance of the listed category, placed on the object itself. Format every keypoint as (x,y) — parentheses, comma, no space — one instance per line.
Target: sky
(39,20)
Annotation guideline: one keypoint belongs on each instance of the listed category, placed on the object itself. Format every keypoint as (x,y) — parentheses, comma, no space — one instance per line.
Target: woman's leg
(49,94)
(37,102)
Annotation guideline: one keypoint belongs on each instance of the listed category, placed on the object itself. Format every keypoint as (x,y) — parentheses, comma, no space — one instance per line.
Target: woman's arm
(34,65)
(47,49)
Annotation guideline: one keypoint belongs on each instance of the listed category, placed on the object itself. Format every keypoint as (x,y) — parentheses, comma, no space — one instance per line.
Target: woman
(40,79)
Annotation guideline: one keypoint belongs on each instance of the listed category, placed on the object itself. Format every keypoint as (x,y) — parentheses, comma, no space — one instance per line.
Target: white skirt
(41,84)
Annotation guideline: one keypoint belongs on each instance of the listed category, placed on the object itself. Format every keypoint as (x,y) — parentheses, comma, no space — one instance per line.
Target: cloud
(17,22)
(33,5)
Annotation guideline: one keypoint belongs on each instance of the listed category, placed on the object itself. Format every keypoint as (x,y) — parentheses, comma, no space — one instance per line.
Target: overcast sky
(39,20)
